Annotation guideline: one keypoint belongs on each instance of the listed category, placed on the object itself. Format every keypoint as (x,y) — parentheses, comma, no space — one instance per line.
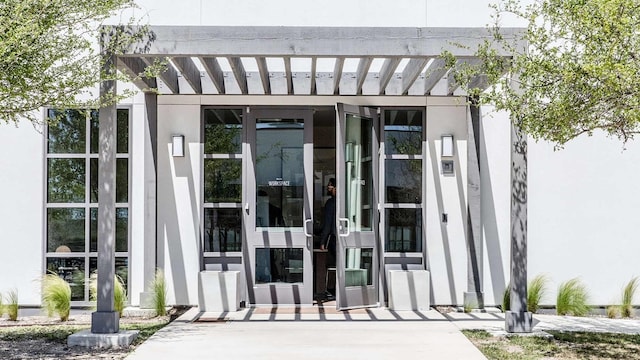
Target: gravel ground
(21,346)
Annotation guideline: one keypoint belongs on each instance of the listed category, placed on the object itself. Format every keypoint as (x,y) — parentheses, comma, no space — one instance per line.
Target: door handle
(341,228)
(306,228)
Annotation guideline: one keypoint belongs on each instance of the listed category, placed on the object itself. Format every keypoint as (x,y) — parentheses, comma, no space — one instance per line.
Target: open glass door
(278,211)
(357,213)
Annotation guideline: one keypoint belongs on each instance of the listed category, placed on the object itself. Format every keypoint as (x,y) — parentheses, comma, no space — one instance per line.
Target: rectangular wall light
(447,145)
(177,145)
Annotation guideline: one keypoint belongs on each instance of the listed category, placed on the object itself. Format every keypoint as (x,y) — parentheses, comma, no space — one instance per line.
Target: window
(222,132)
(72,197)
(403,174)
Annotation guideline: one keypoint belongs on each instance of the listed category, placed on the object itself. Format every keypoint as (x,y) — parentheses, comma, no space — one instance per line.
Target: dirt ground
(14,344)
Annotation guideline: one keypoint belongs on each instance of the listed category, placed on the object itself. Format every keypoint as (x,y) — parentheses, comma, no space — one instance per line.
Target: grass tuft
(613,311)
(629,292)
(159,289)
(56,296)
(12,306)
(572,298)
(119,293)
(506,298)
(536,290)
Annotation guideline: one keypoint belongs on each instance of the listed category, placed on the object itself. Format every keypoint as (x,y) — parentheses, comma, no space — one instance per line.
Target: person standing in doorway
(328,234)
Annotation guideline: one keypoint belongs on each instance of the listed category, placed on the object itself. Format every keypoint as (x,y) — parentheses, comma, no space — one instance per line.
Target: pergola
(314,61)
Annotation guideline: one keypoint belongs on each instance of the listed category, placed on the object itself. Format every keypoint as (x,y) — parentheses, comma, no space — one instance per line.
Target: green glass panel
(122,230)
(122,131)
(65,180)
(222,230)
(222,180)
(65,229)
(403,231)
(122,180)
(72,271)
(222,131)
(121,267)
(94,128)
(279,172)
(403,181)
(358,267)
(67,131)
(403,132)
(358,173)
(274,265)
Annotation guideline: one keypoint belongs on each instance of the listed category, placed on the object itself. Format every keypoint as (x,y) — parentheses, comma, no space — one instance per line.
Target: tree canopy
(580,72)
(50,53)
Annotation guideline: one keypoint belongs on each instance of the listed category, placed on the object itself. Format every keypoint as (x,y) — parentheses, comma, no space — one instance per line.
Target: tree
(580,72)
(49,53)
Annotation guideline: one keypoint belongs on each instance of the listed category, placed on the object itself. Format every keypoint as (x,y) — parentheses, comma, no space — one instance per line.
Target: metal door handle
(306,233)
(340,228)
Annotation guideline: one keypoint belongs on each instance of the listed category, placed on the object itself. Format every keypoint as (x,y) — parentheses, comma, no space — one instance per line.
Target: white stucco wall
(446,242)
(21,211)
(584,205)
(179,201)
(495,180)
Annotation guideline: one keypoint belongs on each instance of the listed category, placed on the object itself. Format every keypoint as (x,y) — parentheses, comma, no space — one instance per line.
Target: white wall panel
(495,179)
(21,211)
(446,243)
(584,206)
(179,202)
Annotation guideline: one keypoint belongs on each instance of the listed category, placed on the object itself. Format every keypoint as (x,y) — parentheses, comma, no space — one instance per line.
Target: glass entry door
(278,209)
(357,212)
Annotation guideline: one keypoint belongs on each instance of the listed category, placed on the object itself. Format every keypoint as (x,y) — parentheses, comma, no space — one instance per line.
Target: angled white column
(474,294)
(518,319)
(150,149)
(106,320)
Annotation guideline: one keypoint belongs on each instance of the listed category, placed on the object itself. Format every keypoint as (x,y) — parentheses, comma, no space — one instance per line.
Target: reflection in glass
(279,265)
(358,267)
(94,128)
(403,132)
(65,230)
(65,180)
(359,173)
(404,230)
(68,134)
(122,230)
(279,172)
(222,131)
(222,180)
(122,269)
(403,181)
(72,271)
(222,230)
(122,180)
(122,131)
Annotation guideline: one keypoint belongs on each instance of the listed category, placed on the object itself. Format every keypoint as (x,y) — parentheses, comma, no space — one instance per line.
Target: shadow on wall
(182,170)
(490,225)
(435,170)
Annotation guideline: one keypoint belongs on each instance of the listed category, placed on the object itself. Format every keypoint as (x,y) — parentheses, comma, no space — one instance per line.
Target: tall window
(72,197)
(222,129)
(403,159)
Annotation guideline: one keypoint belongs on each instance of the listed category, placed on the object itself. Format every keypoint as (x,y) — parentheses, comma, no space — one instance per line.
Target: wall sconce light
(177,145)
(447,145)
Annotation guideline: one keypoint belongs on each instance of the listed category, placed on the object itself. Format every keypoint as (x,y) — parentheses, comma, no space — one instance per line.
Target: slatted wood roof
(306,60)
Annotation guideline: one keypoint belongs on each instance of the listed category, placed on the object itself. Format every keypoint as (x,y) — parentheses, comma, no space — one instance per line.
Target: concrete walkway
(358,335)
(324,333)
